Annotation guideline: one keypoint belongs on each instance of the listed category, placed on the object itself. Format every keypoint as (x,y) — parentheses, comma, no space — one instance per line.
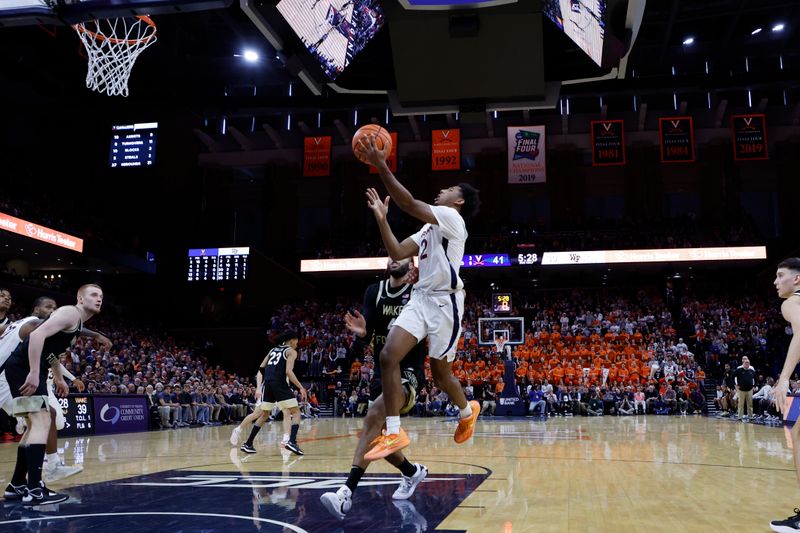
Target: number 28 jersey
(441,251)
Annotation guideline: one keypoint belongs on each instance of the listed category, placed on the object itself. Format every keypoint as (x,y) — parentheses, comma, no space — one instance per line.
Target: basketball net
(112,46)
(500,345)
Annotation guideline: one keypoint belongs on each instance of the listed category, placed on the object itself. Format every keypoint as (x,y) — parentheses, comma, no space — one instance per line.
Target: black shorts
(278,392)
(17,372)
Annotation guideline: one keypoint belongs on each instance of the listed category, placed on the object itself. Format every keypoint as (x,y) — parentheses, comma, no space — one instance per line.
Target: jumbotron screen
(583,21)
(334,31)
(218,264)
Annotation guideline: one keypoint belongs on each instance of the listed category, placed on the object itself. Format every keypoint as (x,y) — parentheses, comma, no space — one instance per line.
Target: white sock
(392,425)
(466,412)
(52,460)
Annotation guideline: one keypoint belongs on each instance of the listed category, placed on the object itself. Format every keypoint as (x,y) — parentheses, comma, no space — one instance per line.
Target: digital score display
(528,259)
(501,303)
(79,415)
(218,264)
(485,260)
(133,145)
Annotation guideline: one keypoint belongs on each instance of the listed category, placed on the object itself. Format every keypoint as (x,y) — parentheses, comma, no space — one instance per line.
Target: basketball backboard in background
(512,329)
(68,12)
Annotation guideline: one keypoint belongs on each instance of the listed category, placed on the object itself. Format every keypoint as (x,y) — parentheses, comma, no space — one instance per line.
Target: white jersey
(11,339)
(441,250)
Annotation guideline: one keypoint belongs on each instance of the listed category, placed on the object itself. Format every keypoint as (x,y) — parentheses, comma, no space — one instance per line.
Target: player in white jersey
(5,305)
(437,301)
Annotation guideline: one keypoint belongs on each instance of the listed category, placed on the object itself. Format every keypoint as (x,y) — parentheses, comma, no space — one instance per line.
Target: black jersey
(53,347)
(382,305)
(275,366)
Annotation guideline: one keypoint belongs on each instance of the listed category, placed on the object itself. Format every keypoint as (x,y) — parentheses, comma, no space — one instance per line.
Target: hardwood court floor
(638,474)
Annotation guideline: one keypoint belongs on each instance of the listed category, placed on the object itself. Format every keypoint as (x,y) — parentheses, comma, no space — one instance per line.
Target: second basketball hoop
(112,47)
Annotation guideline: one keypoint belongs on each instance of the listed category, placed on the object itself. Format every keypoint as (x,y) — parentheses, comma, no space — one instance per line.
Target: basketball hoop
(500,345)
(113,46)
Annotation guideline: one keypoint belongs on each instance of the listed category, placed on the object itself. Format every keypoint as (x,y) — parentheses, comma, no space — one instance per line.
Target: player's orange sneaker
(467,425)
(387,445)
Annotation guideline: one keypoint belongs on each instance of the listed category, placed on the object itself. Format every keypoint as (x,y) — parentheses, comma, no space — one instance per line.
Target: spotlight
(688,41)
(778,27)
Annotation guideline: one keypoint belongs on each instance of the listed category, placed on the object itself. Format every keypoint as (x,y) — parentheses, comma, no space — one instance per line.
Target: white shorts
(436,316)
(6,400)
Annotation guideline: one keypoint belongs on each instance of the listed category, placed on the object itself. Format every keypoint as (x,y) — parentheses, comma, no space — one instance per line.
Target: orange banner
(392,159)
(317,156)
(446,149)
(40,233)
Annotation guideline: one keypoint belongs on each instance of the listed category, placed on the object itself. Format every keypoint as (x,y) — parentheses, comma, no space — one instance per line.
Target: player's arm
(101,340)
(790,309)
(362,324)
(28,327)
(260,378)
(62,319)
(401,196)
(397,250)
(291,355)
(58,378)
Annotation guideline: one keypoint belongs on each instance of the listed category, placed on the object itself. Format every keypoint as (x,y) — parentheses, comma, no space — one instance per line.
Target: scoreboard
(218,264)
(78,411)
(133,145)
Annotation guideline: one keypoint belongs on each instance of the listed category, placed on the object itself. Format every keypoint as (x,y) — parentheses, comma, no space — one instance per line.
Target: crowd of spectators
(587,352)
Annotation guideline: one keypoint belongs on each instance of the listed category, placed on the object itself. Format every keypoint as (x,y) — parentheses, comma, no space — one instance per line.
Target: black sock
(253,433)
(355,476)
(407,468)
(293,436)
(34,453)
(21,469)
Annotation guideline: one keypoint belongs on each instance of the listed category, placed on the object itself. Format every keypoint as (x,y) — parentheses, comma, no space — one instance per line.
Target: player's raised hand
(379,208)
(356,323)
(371,152)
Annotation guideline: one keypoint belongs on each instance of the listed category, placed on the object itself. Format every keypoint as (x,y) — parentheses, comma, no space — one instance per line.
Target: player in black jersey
(26,371)
(274,375)
(383,302)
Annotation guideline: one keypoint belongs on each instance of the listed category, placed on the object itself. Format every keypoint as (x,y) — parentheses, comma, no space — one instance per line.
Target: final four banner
(749,137)
(526,154)
(317,156)
(608,142)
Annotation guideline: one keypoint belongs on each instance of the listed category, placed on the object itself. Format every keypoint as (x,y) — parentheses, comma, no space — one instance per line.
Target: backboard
(510,328)
(61,12)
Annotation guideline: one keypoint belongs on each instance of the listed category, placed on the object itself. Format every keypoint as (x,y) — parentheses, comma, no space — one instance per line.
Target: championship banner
(526,154)
(317,156)
(677,139)
(446,149)
(391,161)
(749,137)
(608,142)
